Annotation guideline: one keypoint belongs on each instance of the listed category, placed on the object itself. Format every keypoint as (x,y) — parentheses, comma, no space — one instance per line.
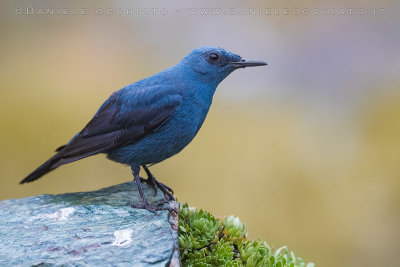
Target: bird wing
(127,116)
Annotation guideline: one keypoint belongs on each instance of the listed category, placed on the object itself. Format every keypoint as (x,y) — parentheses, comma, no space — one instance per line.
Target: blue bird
(153,119)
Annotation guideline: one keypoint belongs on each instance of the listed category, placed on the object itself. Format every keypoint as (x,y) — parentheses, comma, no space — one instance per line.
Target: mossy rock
(98,228)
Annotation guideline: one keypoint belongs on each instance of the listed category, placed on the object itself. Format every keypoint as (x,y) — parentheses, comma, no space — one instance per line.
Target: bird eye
(213,57)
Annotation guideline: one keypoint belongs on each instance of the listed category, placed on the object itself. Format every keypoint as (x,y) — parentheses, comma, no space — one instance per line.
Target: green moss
(205,240)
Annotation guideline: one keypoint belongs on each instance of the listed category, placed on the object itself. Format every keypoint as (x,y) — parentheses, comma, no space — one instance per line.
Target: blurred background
(305,151)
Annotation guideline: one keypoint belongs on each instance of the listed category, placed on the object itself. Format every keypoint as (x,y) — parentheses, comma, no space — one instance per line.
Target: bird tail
(42,170)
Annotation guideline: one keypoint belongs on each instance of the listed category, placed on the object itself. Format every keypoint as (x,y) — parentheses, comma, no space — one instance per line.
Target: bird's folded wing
(127,116)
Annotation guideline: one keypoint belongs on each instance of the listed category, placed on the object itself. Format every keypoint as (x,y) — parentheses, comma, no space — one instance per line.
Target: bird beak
(247,63)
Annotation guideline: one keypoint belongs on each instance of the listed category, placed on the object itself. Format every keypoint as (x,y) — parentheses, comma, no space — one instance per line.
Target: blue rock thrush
(153,119)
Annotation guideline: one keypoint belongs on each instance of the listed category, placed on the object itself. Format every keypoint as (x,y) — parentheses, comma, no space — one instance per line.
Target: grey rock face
(88,229)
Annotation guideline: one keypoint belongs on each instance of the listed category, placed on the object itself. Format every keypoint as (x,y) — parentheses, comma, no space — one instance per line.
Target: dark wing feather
(124,118)
(111,128)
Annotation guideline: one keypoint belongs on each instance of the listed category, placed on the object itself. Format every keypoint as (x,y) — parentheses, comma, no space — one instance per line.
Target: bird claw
(151,183)
(168,188)
(150,207)
(151,180)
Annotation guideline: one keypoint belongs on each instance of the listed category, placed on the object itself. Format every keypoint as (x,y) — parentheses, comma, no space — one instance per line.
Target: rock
(87,229)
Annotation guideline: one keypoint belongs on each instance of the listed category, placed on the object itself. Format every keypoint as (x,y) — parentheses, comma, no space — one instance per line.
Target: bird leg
(144,203)
(168,192)
(151,183)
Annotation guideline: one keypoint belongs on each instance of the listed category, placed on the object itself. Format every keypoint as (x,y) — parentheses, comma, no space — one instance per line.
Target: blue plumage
(152,119)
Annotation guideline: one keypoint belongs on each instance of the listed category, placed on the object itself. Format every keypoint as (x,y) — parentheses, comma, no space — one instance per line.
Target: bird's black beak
(247,63)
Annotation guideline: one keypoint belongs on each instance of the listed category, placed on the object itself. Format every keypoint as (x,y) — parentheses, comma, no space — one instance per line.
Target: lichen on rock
(86,229)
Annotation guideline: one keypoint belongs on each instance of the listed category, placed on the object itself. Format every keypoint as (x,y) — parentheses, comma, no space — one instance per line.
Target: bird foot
(150,207)
(151,183)
(167,191)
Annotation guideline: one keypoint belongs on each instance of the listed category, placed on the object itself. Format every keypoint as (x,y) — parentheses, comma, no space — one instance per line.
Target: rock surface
(86,229)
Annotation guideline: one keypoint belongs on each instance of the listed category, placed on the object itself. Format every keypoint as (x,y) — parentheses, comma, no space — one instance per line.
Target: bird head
(213,64)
